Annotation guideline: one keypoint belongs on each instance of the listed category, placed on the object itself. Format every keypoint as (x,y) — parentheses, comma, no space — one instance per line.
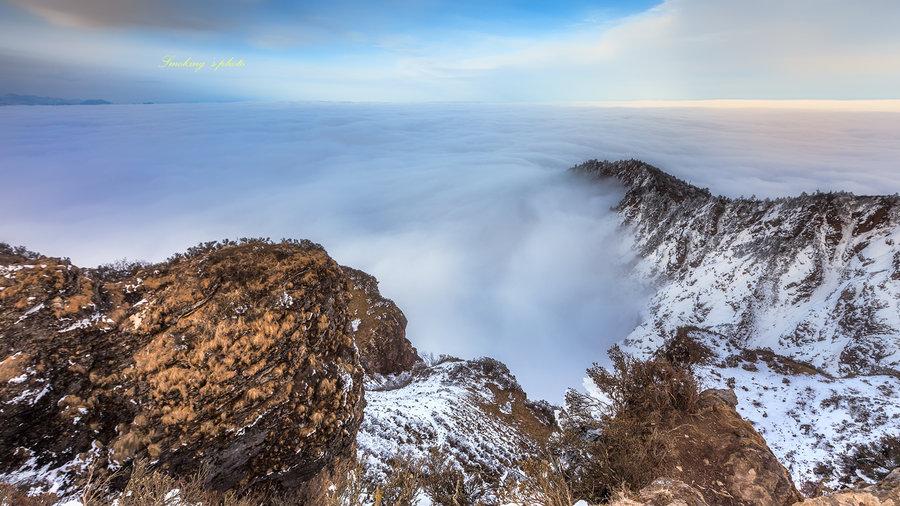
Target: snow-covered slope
(473,412)
(799,298)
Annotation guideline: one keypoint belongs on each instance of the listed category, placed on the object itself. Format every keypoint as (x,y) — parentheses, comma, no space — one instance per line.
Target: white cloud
(690,49)
(462,211)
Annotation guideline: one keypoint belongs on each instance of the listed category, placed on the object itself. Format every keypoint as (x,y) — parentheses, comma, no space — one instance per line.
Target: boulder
(717,457)
(884,493)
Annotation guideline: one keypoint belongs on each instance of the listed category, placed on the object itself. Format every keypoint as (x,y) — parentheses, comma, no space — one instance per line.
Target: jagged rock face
(799,298)
(473,412)
(238,358)
(379,327)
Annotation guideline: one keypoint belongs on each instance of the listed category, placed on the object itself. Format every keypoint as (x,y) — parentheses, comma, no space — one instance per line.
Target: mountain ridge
(809,280)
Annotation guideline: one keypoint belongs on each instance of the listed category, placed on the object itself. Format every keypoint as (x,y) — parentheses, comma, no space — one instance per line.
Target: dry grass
(623,444)
(147,487)
(11,495)
(541,482)
(13,366)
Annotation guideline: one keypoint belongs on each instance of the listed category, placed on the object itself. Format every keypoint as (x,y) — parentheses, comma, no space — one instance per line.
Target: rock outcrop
(379,327)
(797,298)
(664,492)
(723,456)
(884,493)
(237,358)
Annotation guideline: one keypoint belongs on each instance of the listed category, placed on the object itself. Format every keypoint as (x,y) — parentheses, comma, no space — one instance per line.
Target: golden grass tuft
(13,366)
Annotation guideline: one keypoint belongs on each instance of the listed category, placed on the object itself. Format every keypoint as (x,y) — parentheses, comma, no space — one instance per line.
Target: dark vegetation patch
(872,461)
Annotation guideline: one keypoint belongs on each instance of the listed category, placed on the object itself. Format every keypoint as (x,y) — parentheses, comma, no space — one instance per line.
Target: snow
(18,379)
(438,407)
(777,276)
(30,312)
(30,396)
(44,479)
(87,322)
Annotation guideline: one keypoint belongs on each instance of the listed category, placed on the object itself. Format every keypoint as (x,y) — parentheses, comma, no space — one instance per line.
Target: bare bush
(402,486)
(444,483)
(620,442)
(872,461)
(541,482)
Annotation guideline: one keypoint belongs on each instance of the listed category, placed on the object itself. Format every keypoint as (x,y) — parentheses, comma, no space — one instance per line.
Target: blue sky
(434,50)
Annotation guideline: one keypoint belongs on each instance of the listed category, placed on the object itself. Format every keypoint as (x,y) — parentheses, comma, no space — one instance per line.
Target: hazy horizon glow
(463,212)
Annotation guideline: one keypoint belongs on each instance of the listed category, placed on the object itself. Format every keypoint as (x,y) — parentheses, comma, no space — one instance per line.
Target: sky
(443,50)
(463,212)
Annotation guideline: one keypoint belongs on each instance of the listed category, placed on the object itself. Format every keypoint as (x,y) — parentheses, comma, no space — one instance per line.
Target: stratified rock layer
(237,358)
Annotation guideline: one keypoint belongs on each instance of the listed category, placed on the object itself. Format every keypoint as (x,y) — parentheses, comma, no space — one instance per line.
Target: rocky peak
(641,179)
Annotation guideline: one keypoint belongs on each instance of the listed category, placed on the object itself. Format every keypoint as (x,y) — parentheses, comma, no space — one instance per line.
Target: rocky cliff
(797,298)
(246,361)
(472,414)
(379,328)
(234,358)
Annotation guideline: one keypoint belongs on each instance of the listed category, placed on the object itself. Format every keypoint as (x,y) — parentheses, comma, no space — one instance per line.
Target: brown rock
(234,357)
(379,327)
(718,458)
(722,455)
(665,491)
(884,493)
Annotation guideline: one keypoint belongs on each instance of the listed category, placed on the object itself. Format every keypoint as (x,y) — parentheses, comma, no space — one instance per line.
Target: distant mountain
(13,99)
(797,299)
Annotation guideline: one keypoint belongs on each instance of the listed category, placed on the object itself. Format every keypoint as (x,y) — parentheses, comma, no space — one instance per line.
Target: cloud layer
(464,213)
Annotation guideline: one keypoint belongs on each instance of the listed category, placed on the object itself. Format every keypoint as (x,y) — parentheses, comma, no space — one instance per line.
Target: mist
(464,213)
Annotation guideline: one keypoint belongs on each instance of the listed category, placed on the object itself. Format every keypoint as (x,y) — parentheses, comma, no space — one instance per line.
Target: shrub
(872,461)
(146,486)
(620,442)
(541,481)
(443,482)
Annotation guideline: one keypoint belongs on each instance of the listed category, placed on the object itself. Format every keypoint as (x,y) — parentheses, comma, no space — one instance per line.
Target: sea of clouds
(463,212)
